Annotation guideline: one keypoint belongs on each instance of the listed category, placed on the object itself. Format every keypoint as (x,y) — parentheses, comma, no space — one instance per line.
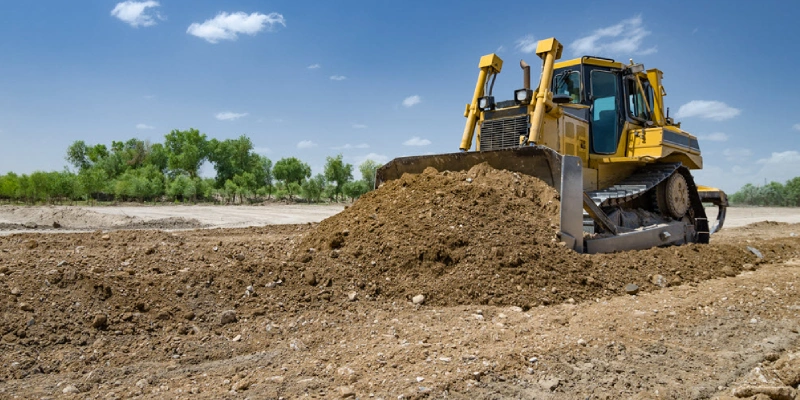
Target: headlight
(486,103)
(522,96)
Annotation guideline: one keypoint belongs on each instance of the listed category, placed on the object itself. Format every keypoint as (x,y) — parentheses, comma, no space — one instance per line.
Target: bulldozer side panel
(612,170)
(667,144)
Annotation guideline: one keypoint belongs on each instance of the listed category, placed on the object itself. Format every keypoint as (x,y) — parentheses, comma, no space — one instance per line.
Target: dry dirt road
(403,295)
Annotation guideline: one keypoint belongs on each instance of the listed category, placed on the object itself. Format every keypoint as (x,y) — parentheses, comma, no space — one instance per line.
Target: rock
(100,321)
(345,392)
(242,385)
(549,383)
(748,267)
(141,383)
(70,389)
(728,271)
(105,237)
(755,251)
(418,299)
(237,338)
(227,317)
(15,291)
(189,315)
(774,392)
(26,307)
(631,289)
(30,225)
(352,296)
(582,342)
(239,256)
(659,280)
(310,278)
(30,244)
(56,225)
(3,269)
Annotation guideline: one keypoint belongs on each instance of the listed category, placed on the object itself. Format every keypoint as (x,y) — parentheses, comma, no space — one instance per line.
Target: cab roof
(590,60)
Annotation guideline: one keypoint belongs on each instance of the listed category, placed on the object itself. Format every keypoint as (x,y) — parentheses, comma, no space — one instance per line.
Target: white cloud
(714,137)
(229,116)
(144,126)
(314,66)
(228,26)
(306,144)
(378,158)
(416,141)
(796,127)
(736,154)
(500,49)
(411,101)
(359,126)
(262,150)
(135,13)
(338,77)
(782,158)
(349,146)
(714,110)
(624,38)
(526,44)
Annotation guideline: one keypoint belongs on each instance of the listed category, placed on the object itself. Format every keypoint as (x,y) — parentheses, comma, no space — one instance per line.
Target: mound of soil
(483,237)
(164,223)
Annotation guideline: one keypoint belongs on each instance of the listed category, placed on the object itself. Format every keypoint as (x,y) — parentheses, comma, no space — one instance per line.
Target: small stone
(70,389)
(239,256)
(352,296)
(346,392)
(582,342)
(100,321)
(549,384)
(420,379)
(659,280)
(56,225)
(631,289)
(753,321)
(31,244)
(3,269)
(728,271)
(250,289)
(242,385)
(26,307)
(237,338)
(105,237)
(15,291)
(533,360)
(227,317)
(748,267)
(469,180)
(311,279)
(418,299)
(141,383)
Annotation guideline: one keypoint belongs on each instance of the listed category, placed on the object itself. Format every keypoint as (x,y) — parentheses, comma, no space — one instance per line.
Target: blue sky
(373,79)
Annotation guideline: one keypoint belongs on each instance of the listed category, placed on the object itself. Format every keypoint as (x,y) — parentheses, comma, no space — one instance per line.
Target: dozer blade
(538,161)
(718,198)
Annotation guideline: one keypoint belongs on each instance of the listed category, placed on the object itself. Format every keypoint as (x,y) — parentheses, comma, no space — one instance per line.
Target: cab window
(568,83)
(636,106)
(604,121)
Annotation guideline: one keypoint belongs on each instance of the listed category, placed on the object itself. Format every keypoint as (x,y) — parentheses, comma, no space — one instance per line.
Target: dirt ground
(443,285)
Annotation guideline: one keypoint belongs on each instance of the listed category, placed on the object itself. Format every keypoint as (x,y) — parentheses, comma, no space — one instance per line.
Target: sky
(377,79)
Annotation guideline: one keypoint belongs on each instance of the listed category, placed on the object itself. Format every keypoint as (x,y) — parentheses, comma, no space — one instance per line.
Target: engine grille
(503,133)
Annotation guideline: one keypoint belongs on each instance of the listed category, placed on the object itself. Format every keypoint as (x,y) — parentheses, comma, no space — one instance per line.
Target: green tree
(268,177)
(291,171)
(78,155)
(368,169)
(356,189)
(92,181)
(312,189)
(186,151)
(9,186)
(793,192)
(338,172)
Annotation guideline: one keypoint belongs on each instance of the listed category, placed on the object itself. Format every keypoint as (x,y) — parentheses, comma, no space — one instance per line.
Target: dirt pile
(484,237)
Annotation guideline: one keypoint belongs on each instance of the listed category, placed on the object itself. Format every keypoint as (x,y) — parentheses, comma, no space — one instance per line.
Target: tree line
(771,194)
(138,170)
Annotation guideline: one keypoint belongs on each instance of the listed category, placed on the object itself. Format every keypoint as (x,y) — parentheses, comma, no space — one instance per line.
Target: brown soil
(326,310)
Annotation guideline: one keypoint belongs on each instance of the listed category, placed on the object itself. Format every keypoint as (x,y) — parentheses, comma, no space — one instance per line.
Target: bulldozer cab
(605,94)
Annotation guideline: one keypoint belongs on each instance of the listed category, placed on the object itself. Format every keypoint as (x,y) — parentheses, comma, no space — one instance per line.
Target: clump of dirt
(484,236)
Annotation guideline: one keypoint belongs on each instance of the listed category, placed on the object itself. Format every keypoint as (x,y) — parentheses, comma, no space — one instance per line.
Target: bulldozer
(594,129)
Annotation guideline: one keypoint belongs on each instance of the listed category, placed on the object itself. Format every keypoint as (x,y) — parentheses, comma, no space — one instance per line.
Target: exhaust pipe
(526,74)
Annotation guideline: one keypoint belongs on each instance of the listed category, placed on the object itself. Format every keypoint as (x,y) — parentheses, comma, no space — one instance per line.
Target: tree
(793,192)
(266,166)
(356,189)
(312,189)
(78,155)
(186,151)
(92,180)
(368,169)
(338,172)
(292,172)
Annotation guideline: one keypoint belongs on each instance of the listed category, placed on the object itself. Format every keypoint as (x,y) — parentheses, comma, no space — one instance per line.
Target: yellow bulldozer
(595,129)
